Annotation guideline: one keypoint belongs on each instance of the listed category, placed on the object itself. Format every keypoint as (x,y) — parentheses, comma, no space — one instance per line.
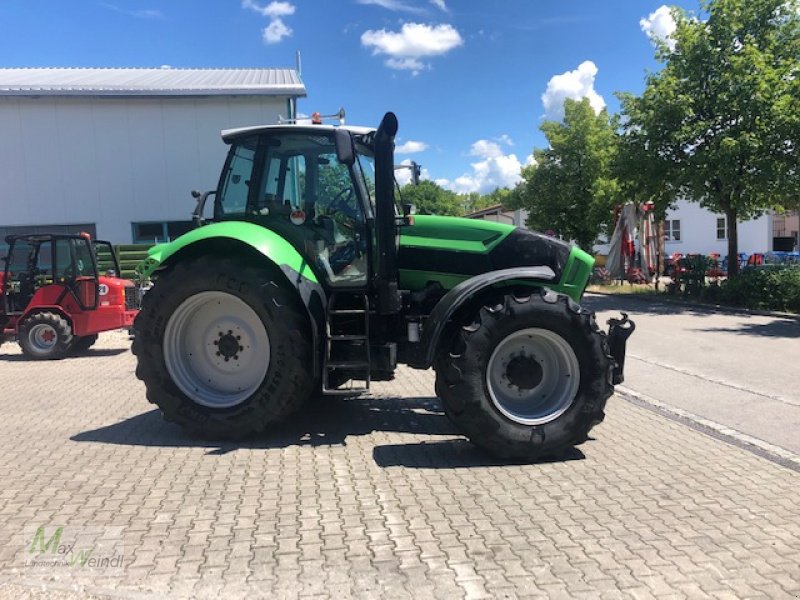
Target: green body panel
(453,233)
(474,236)
(264,240)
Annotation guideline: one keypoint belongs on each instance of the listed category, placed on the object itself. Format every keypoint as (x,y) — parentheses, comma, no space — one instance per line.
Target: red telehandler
(53,299)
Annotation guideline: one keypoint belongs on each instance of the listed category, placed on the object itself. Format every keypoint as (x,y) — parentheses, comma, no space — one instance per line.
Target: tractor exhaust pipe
(386,276)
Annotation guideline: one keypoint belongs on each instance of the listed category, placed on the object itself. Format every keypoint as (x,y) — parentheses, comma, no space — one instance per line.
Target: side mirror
(345,151)
(196,194)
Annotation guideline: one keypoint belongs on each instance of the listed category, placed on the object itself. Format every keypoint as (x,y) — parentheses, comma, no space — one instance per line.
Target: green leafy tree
(571,188)
(431,199)
(720,123)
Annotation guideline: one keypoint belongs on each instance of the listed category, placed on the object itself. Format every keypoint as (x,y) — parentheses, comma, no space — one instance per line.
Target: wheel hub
(533,376)
(524,372)
(228,345)
(216,349)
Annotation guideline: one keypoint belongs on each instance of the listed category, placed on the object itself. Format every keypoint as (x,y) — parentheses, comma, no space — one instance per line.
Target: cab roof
(228,135)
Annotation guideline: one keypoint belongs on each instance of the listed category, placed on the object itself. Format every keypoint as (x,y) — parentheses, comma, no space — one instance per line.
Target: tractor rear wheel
(45,336)
(526,377)
(83,343)
(223,348)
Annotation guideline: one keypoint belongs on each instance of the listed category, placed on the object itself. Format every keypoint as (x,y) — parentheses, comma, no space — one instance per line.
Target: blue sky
(465,77)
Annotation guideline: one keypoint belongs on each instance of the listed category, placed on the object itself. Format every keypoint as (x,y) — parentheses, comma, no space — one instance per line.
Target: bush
(770,288)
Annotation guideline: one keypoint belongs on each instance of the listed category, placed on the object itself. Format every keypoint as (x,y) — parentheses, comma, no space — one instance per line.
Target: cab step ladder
(347,344)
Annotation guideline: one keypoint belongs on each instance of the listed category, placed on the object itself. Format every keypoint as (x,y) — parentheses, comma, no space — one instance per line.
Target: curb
(776,454)
(698,305)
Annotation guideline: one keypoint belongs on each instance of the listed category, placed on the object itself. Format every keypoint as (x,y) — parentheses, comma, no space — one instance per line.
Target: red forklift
(54,301)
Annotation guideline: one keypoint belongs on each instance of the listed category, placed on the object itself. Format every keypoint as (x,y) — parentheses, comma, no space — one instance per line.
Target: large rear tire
(526,377)
(223,348)
(45,336)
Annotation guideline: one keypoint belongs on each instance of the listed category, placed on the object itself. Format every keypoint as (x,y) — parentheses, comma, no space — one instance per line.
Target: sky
(471,81)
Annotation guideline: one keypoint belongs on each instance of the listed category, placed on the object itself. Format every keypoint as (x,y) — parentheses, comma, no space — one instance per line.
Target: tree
(720,123)
(431,199)
(571,188)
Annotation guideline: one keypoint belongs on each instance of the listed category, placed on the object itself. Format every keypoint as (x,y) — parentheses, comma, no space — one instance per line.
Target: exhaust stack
(386,273)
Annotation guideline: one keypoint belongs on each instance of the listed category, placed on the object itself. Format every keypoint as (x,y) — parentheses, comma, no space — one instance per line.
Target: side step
(343,335)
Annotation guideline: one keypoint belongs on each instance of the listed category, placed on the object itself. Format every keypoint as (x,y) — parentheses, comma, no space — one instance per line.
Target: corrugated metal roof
(150,82)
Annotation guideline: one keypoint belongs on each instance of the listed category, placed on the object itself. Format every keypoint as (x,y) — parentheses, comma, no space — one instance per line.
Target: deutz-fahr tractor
(311,278)
(53,299)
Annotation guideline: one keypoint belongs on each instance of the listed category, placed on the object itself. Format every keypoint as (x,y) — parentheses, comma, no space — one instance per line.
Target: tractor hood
(452,249)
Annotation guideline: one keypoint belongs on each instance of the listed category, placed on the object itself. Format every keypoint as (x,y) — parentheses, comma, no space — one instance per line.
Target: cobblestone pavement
(377,497)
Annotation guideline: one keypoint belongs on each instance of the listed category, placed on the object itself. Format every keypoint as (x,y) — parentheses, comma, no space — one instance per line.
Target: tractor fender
(259,244)
(457,297)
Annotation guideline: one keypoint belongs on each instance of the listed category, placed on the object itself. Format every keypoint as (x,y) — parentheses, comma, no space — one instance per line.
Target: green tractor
(310,279)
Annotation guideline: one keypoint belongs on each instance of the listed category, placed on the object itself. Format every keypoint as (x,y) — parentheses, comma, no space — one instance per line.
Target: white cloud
(577,84)
(272,10)
(485,149)
(393,5)
(411,147)
(403,176)
(439,4)
(496,170)
(276,31)
(413,42)
(659,26)
(505,139)
(147,13)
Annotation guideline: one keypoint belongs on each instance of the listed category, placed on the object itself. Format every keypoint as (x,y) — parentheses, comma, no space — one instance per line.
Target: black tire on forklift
(287,381)
(512,421)
(83,343)
(45,335)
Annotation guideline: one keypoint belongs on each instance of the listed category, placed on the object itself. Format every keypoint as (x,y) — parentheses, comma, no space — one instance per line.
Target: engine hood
(451,249)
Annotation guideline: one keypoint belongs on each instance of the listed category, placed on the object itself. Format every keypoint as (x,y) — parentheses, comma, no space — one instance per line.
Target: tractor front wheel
(528,376)
(45,336)
(223,348)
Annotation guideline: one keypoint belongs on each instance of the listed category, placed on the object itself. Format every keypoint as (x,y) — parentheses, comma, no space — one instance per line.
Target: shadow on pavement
(88,354)
(325,422)
(451,454)
(636,304)
(785,328)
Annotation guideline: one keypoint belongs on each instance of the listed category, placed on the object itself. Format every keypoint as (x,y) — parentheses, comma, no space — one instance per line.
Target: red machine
(54,301)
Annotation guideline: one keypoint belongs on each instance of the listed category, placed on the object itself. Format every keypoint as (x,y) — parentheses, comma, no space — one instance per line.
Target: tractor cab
(53,298)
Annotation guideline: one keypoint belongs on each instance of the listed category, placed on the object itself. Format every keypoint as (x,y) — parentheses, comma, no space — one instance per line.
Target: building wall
(114,161)
(699,232)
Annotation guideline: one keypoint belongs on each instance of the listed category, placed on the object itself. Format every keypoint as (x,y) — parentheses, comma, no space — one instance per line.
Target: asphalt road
(739,370)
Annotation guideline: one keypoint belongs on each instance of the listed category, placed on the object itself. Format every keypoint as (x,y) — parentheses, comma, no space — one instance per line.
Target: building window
(722,228)
(157,232)
(672,230)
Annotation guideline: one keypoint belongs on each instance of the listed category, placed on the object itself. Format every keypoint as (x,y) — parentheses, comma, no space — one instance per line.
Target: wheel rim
(42,338)
(216,349)
(533,376)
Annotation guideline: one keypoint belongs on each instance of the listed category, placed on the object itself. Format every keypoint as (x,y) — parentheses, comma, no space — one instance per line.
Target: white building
(116,152)
(691,229)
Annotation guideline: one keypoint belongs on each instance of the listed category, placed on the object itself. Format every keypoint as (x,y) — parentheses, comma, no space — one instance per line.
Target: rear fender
(460,295)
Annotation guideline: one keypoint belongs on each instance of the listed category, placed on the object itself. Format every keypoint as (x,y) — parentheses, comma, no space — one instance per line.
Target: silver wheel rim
(216,349)
(42,338)
(524,392)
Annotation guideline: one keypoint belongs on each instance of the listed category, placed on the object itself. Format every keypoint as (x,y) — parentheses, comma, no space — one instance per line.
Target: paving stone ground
(376,497)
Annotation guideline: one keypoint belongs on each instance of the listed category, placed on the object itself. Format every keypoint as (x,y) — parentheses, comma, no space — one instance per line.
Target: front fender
(453,300)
